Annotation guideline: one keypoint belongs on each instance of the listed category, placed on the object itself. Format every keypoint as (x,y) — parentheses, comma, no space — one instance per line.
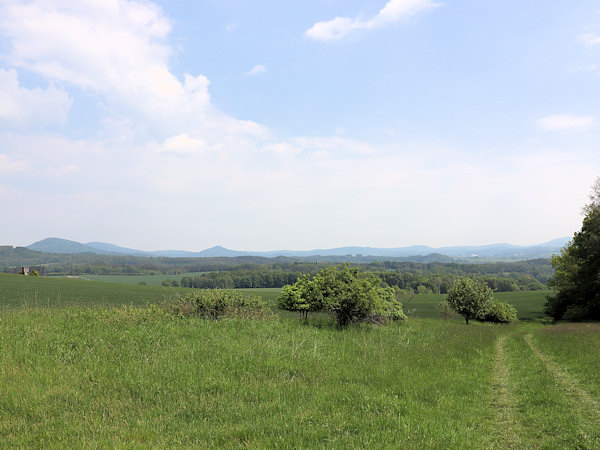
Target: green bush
(217,303)
(346,293)
(498,312)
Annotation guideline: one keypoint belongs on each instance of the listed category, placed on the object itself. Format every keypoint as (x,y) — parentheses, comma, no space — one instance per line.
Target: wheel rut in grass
(508,427)
(585,404)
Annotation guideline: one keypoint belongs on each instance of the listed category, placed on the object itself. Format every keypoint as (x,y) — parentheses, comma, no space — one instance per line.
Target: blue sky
(269,125)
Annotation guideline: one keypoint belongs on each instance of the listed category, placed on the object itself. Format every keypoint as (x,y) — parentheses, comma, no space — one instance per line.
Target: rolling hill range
(494,251)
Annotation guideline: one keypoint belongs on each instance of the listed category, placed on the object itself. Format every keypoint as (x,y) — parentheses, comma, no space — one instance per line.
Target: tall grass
(107,378)
(576,347)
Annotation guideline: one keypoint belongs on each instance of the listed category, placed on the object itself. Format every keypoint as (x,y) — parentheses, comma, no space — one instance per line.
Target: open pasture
(137,377)
(150,280)
(19,291)
(75,373)
(529,304)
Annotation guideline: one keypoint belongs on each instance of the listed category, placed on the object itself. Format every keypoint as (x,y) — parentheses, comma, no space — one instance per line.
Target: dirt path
(585,405)
(508,427)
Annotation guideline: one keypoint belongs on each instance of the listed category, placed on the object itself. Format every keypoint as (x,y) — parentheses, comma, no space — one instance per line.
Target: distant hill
(484,252)
(57,245)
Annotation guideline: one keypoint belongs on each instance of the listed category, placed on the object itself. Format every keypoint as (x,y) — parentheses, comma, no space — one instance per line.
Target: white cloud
(25,107)
(567,122)
(590,39)
(393,11)
(182,145)
(257,70)
(115,49)
(9,166)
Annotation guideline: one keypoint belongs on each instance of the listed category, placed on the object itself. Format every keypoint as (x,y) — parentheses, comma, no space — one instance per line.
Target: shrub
(498,312)
(217,303)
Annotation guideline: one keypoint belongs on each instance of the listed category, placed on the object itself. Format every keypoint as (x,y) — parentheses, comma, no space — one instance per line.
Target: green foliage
(300,296)
(446,311)
(469,298)
(498,312)
(577,270)
(216,303)
(345,292)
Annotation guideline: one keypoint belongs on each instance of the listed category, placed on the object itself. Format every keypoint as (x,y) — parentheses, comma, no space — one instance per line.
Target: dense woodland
(423,281)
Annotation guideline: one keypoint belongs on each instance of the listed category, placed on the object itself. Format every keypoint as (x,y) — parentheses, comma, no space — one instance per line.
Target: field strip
(503,400)
(585,404)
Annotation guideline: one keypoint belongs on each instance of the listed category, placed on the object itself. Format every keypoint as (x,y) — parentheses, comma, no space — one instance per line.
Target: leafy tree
(577,269)
(345,292)
(469,298)
(296,297)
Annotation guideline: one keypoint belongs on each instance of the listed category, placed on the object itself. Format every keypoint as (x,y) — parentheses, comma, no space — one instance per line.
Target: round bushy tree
(345,292)
(469,298)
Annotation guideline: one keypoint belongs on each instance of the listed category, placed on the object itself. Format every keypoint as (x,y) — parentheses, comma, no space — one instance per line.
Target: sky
(263,125)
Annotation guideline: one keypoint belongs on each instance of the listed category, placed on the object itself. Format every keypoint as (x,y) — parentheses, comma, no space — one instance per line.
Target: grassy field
(16,290)
(92,377)
(530,305)
(75,376)
(150,280)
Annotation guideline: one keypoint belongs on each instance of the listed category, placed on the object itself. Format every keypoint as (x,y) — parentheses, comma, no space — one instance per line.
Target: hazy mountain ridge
(499,251)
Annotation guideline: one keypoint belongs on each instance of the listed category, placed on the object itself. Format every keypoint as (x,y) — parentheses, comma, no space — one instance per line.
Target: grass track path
(508,428)
(583,403)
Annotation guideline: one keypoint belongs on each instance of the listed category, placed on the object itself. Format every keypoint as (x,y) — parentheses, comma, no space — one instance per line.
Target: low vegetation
(145,377)
(92,364)
(215,304)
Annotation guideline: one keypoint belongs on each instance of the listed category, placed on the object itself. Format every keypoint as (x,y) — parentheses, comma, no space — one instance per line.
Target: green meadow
(16,290)
(55,291)
(150,280)
(79,369)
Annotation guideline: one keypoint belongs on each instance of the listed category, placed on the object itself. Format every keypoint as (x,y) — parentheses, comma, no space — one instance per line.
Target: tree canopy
(469,298)
(577,269)
(474,300)
(345,292)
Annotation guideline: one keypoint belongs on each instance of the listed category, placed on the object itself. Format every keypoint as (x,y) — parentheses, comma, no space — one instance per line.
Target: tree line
(409,282)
